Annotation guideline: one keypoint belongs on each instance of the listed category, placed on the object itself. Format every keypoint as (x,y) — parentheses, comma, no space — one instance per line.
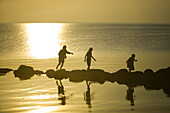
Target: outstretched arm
(135,60)
(93,58)
(69,52)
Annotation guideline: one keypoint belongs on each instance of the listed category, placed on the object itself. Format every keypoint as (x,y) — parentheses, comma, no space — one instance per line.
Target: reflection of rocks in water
(149,79)
(129,78)
(57,74)
(158,80)
(26,72)
(95,75)
(166,90)
(4,71)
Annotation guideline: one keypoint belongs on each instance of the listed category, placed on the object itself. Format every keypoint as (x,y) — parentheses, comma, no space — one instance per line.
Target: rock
(4,71)
(61,74)
(148,72)
(50,73)
(24,72)
(95,75)
(38,72)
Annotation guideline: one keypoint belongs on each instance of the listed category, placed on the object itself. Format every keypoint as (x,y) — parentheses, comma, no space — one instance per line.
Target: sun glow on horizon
(44,39)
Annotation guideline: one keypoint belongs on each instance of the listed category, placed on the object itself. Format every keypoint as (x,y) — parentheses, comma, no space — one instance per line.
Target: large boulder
(50,73)
(24,72)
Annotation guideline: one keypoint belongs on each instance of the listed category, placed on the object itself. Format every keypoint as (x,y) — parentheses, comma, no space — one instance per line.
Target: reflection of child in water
(61,94)
(129,95)
(87,96)
(60,88)
(130,62)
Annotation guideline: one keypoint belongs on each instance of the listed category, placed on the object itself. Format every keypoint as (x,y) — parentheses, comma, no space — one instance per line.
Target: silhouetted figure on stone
(87,96)
(130,62)
(62,56)
(129,95)
(88,57)
(61,93)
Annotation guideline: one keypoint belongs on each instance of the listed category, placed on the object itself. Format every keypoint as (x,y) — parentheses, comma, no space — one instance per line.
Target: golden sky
(100,11)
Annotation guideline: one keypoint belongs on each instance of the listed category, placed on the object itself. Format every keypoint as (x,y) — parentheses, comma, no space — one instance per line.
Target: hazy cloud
(112,11)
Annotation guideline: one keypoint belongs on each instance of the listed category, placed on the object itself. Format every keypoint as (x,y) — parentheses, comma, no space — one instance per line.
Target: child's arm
(127,60)
(93,58)
(69,52)
(85,57)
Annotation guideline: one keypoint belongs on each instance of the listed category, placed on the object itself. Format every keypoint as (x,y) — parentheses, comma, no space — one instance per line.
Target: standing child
(130,62)
(88,57)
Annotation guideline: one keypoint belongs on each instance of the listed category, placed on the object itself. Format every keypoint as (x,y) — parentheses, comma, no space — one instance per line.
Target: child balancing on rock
(88,57)
(130,62)
(62,56)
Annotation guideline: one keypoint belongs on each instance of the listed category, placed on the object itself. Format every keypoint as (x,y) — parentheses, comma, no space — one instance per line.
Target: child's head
(64,47)
(91,49)
(133,55)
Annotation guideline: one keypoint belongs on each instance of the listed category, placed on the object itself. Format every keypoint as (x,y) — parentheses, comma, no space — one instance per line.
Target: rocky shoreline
(149,79)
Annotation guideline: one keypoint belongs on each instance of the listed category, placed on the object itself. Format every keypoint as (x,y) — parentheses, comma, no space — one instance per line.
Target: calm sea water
(18,39)
(37,45)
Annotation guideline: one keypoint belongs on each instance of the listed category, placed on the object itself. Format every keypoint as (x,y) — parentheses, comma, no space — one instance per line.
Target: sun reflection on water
(45,96)
(46,106)
(44,39)
(40,109)
(44,109)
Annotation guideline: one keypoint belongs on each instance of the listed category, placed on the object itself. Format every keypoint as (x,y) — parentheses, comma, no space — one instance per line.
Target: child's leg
(62,64)
(58,65)
(88,68)
(88,64)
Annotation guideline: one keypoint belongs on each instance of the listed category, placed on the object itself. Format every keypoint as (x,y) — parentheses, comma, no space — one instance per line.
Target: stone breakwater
(149,79)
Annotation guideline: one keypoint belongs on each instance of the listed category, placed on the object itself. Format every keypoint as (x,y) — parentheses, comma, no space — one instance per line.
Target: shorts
(61,60)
